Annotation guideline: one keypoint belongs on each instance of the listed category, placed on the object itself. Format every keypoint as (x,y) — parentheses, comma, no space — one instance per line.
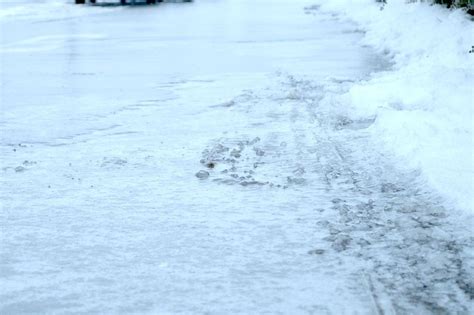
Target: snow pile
(423,105)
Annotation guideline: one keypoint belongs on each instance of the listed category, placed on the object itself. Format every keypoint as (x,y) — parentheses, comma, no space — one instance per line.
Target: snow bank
(423,106)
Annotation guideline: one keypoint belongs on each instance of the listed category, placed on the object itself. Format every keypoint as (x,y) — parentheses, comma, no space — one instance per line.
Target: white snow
(424,105)
(107,115)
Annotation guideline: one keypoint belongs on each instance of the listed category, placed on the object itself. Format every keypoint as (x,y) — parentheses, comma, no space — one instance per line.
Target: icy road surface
(107,117)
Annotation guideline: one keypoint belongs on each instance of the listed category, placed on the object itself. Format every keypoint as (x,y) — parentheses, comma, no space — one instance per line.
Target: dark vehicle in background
(123,2)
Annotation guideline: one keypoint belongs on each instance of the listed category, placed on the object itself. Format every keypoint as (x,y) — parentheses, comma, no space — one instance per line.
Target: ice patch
(46,43)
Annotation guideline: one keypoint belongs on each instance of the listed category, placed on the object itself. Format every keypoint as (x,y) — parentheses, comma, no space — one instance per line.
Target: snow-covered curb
(423,106)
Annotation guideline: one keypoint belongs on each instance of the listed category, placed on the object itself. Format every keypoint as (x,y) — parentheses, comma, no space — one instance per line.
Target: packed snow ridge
(422,106)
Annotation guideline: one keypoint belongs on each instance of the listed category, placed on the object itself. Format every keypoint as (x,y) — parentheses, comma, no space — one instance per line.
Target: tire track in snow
(409,252)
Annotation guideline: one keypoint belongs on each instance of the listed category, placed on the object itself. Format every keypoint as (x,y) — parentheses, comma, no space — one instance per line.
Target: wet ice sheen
(294,211)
